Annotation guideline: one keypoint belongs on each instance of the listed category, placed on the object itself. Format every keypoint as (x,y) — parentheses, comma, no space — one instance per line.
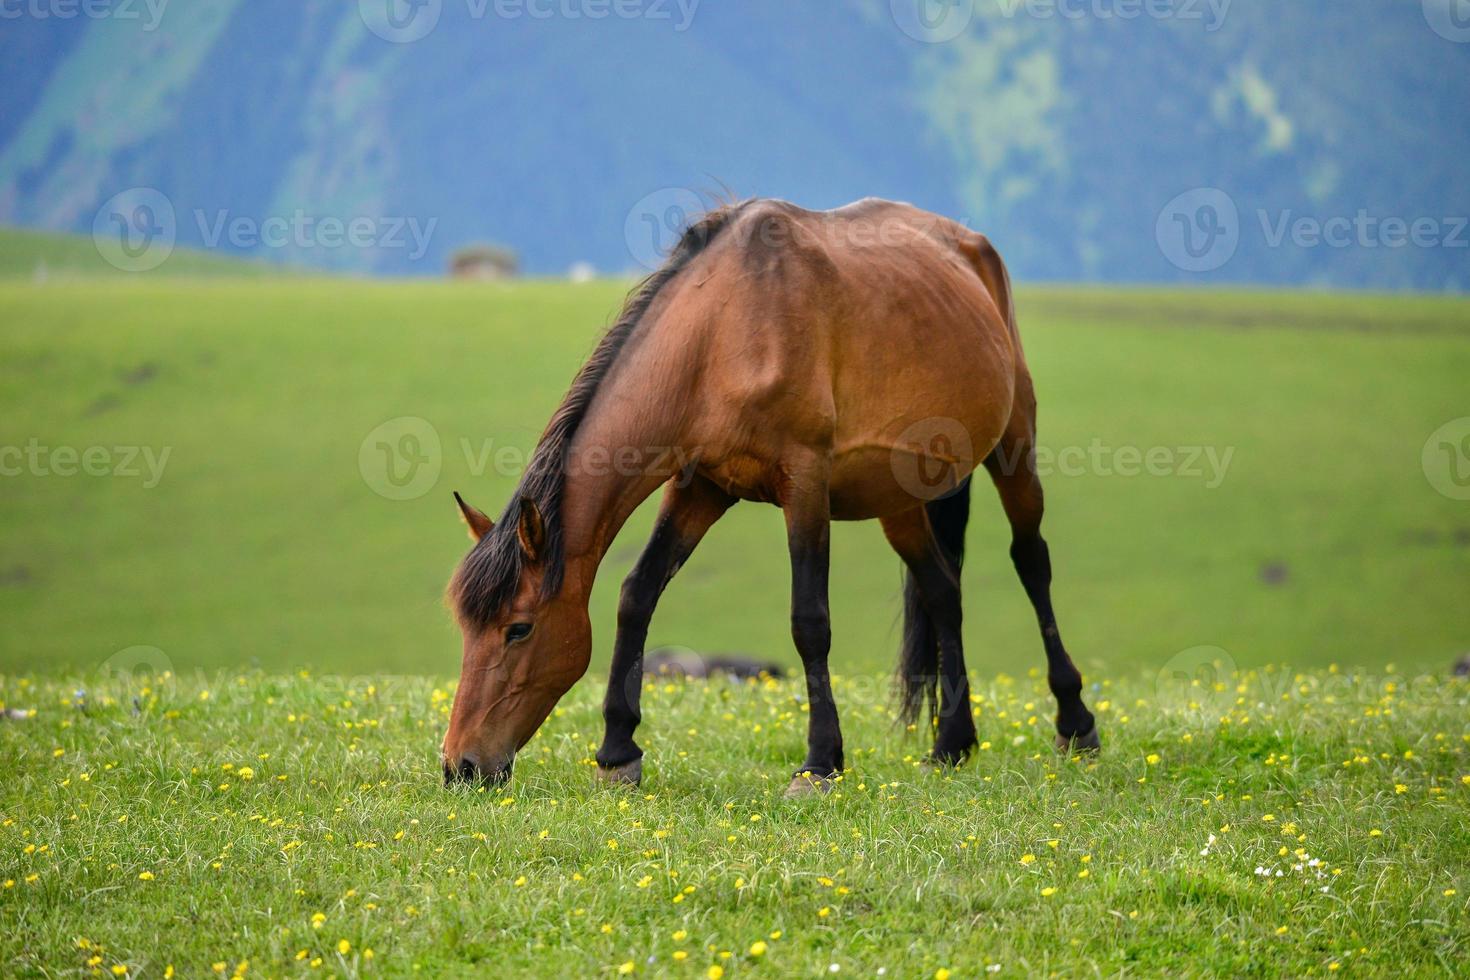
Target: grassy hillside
(295,827)
(41,255)
(264,540)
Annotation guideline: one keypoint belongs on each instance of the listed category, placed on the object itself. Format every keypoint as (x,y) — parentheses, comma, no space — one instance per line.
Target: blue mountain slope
(1062,137)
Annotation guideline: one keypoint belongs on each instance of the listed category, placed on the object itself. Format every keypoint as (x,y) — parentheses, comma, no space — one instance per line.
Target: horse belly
(922,461)
(917,433)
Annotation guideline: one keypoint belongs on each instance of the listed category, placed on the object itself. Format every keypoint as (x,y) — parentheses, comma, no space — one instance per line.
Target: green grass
(266,570)
(131,831)
(263,544)
(44,255)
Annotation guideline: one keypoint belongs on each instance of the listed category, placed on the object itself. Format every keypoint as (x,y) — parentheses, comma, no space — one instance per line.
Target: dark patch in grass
(1174,312)
(1275,573)
(1428,537)
(142,374)
(103,404)
(16,577)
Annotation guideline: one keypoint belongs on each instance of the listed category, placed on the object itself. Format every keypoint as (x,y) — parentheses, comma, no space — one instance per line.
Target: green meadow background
(264,544)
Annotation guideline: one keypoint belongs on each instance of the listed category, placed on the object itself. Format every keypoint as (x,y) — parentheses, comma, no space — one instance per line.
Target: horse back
(859,332)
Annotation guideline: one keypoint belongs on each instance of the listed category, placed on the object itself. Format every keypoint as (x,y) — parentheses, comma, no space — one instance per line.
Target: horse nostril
(467,769)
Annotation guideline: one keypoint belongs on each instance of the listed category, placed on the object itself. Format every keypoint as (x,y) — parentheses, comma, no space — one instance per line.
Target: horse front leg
(808,533)
(690,507)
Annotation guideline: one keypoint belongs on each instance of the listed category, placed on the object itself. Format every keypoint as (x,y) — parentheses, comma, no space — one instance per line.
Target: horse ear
(475,520)
(531,531)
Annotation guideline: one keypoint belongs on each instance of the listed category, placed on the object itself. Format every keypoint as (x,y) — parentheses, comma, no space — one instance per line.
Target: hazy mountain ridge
(1061,137)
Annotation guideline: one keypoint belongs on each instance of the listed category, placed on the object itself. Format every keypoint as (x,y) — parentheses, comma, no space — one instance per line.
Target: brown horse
(842,365)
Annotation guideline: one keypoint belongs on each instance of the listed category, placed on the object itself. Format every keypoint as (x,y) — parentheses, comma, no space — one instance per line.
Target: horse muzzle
(469,769)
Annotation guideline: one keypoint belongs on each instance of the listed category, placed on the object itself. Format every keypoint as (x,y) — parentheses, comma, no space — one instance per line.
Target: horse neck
(625,449)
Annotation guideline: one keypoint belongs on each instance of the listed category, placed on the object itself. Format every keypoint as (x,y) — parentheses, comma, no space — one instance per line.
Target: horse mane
(486,579)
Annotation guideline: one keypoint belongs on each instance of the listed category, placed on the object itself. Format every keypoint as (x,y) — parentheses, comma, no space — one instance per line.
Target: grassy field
(241,521)
(44,256)
(196,482)
(1286,825)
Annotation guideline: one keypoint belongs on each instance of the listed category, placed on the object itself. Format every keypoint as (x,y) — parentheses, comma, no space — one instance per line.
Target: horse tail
(918,655)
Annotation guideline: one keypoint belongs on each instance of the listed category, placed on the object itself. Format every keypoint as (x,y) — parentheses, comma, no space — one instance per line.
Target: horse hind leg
(1012,467)
(933,649)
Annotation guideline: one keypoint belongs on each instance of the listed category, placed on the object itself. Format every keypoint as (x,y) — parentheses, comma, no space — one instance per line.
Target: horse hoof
(808,784)
(628,774)
(1088,744)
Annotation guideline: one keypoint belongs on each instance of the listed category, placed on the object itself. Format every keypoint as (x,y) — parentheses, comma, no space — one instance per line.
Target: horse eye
(519,631)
